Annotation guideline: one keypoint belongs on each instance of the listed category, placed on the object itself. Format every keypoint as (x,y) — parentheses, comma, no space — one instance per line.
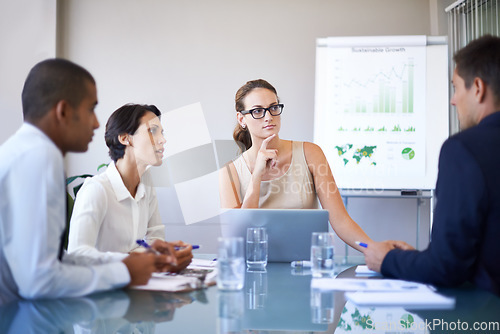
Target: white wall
(27,36)
(173,53)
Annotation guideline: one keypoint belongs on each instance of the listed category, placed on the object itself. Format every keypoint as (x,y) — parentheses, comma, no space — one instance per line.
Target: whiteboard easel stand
(419,195)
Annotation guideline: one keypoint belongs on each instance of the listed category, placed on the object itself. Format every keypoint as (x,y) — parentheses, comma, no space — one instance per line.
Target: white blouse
(107,220)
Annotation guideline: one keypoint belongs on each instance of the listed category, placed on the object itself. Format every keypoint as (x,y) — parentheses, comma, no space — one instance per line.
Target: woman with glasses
(118,207)
(276,173)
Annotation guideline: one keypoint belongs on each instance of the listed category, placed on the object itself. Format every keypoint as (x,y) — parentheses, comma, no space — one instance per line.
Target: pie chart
(408,153)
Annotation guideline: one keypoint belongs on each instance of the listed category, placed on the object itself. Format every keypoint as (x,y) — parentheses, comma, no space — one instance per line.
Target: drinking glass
(322,252)
(257,246)
(230,264)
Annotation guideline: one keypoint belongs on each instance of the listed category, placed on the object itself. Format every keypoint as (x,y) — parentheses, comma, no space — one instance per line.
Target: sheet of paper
(412,300)
(386,292)
(355,284)
(186,281)
(362,270)
(202,263)
(161,282)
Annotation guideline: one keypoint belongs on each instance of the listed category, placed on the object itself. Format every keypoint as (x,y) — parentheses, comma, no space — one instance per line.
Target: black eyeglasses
(257,113)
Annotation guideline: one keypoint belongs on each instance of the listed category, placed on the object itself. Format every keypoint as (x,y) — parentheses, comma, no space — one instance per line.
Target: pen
(301,264)
(147,246)
(181,247)
(362,244)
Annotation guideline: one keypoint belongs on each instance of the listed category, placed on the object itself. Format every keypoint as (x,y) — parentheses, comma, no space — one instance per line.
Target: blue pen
(193,246)
(362,244)
(147,246)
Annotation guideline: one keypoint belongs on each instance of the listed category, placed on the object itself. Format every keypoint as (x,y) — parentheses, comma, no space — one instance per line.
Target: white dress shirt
(107,220)
(32,220)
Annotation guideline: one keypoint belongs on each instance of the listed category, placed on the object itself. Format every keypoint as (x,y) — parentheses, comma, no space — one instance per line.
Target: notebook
(289,230)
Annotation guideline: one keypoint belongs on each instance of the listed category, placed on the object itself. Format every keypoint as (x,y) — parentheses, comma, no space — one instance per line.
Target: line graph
(386,89)
(381,110)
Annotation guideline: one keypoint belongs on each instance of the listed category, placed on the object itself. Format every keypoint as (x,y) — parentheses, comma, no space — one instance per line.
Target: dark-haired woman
(277,173)
(118,207)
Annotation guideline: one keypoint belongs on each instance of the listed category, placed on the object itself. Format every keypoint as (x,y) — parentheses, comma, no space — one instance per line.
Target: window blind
(468,20)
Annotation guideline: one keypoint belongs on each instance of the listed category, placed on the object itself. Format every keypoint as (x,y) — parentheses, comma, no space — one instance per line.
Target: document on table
(362,270)
(202,263)
(386,292)
(366,284)
(199,274)
(410,300)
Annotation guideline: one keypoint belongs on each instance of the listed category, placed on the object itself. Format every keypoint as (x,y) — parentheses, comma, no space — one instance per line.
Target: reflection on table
(119,311)
(278,299)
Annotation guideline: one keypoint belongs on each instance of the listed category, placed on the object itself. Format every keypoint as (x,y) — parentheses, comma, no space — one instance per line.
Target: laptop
(289,230)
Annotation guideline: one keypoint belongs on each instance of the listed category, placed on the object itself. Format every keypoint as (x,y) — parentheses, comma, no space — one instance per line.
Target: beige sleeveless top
(293,190)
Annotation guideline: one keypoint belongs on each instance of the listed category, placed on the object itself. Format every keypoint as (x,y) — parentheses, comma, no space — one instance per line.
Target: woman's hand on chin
(266,158)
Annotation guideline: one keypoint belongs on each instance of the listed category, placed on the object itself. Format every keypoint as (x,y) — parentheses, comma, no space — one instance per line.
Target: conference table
(277,300)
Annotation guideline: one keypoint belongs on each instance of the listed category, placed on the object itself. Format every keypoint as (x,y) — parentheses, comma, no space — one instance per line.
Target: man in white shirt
(58,99)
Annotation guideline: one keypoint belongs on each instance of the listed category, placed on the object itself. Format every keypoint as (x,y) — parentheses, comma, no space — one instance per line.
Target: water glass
(322,252)
(230,264)
(256,247)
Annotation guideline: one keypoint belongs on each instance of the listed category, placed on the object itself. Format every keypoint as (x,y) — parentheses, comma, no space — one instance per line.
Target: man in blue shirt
(465,243)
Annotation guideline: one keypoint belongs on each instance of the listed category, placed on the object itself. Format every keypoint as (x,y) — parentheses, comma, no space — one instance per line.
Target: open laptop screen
(289,230)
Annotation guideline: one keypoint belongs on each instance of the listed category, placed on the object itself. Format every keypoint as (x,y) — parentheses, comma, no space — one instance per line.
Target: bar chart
(381,109)
(387,92)
(374,112)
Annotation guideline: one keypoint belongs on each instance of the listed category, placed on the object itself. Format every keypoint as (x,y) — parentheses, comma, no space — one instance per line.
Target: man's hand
(400,244)
(376,252)
(140,266)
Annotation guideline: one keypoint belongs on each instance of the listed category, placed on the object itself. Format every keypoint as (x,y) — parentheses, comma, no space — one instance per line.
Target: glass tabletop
(277,300)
